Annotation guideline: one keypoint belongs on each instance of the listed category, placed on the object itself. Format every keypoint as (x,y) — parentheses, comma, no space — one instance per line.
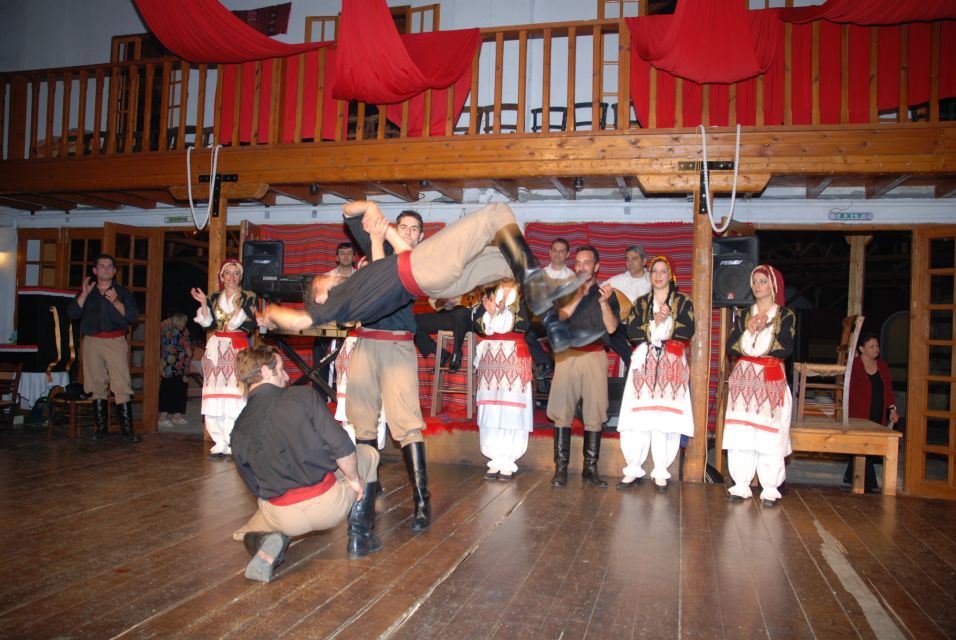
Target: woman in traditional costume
(230,313)
(656,406)
(504,376)
(757,425)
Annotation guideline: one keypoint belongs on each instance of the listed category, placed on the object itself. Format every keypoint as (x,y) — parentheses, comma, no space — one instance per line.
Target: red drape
(706,41)
(767,33)
(378,66)
(205,31)
(874,12)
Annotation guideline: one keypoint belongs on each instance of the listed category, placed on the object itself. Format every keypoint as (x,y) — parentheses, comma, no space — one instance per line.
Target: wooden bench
(860,438)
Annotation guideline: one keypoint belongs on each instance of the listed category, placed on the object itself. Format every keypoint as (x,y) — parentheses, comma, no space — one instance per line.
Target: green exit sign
(175,219)
(850,216)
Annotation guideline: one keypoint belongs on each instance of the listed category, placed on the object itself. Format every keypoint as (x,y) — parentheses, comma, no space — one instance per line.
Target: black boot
(99,417)
(372,442)
(125,414)
(267,550)
(362,541)
(562,455)
(558,335)
(414,455)
(592,452)
(538,290)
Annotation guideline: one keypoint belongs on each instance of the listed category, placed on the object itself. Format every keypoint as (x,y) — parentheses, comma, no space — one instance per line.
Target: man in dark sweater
(106,310)
(299,463)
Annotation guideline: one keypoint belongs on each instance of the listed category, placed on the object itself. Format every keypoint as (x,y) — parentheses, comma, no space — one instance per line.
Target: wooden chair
(440,386)
(488,113)
(840,372)
(77,412)
(558,117)
(9,392)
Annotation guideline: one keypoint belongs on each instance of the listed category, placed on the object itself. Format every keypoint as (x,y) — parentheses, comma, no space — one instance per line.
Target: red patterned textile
(758,390)
(497,368)
(663,376)
(270,21)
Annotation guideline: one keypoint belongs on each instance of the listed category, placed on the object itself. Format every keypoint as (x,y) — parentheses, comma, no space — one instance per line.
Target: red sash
(301,494)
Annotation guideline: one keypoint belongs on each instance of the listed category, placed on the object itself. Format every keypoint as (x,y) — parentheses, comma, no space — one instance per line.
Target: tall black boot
(372,442)
(361,522)
(414,455)
(538,290)
(592,452)
(99,417)
(267,549)
(586,324)
(125,414)
(558,335)
(562,455)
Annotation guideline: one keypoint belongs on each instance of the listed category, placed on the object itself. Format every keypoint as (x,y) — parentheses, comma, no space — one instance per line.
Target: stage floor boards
(109,540)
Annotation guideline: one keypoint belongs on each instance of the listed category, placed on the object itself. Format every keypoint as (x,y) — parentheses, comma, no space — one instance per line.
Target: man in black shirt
(106,310)
(479,248)
(299,463)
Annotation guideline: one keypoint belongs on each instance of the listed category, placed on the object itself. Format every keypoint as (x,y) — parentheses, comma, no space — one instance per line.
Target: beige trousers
(106,368)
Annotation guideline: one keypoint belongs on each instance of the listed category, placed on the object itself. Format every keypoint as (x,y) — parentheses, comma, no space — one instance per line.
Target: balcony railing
(545,79)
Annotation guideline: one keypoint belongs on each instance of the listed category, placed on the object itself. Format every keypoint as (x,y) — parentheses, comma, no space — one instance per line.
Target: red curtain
(767,33)
(874,12)
(706,41)
(205,31)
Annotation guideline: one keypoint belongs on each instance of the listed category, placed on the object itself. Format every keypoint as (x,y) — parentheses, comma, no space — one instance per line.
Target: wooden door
(139,267)
(930,405)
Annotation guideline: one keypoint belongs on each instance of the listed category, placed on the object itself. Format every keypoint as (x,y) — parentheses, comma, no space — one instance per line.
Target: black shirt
(876,397)
(285,438)
(99,314)
(368,295)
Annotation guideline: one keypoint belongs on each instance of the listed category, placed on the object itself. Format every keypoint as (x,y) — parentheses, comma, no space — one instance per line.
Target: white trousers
(219,429)
(771,472)
(503,447)
(663,448)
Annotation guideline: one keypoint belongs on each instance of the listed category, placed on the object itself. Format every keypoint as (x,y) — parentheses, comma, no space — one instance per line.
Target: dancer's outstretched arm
(372,217)
(275,316)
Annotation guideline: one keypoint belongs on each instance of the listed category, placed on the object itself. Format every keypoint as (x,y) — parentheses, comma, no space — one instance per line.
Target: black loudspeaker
(734,259)
(42,321)
(261,259)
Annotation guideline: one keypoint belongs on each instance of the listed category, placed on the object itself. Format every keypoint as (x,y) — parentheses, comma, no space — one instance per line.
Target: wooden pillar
(217,243)
(695,457)
(854,297)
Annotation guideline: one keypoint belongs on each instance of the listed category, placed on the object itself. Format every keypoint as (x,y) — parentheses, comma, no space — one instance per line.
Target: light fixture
(423,183)
(578,183)
(314,188)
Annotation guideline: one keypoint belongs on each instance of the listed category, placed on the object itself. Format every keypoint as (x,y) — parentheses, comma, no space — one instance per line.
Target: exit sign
(175,219)
(850,216)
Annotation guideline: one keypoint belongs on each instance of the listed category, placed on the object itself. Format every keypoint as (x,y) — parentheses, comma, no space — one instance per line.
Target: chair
(77,412)
(560,112)
(840,387)
(634,123)
(488,113)
(584,119)
(442,387)
(9,391)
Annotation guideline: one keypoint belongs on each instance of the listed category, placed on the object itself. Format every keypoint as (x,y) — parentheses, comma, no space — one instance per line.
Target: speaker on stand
(734,259)
(261,264)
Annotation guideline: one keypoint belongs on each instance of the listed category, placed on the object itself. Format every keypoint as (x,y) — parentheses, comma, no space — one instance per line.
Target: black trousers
(457,320)
(172,395)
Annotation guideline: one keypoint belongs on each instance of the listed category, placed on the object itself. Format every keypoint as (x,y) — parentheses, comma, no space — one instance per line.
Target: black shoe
(455,363)
(560,477)
(506,477)
(270,553)
(592,453)
(491,475)
(734,498)
(660,488)
(624,486)
(558,335)
(769,504)
(538,291)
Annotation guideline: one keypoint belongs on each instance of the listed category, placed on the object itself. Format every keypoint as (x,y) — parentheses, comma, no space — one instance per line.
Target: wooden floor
(108,540)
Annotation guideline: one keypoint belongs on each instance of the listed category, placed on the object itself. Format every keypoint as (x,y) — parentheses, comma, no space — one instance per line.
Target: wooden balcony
(547,111)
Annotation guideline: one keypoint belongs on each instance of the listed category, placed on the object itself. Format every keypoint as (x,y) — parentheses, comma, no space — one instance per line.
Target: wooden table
(859,438)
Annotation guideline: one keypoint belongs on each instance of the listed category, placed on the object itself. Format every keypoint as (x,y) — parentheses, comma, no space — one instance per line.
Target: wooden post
(854,297)
(722,374)
(217,243)
(695,457)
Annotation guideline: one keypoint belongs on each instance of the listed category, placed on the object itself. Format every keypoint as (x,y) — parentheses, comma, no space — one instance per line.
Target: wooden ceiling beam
(945,189)
(817,185)
(824,150)
(686,182)
(346,191)
(42,202)
(298,192)
(879,187)
(453,192)
(401,190)
(231,190)
(156,195)
(89,199)
(129,199)
(16,204)
(565,187)
(507,188)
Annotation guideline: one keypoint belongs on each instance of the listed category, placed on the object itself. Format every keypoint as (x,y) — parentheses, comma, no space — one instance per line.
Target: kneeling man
(299,463)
